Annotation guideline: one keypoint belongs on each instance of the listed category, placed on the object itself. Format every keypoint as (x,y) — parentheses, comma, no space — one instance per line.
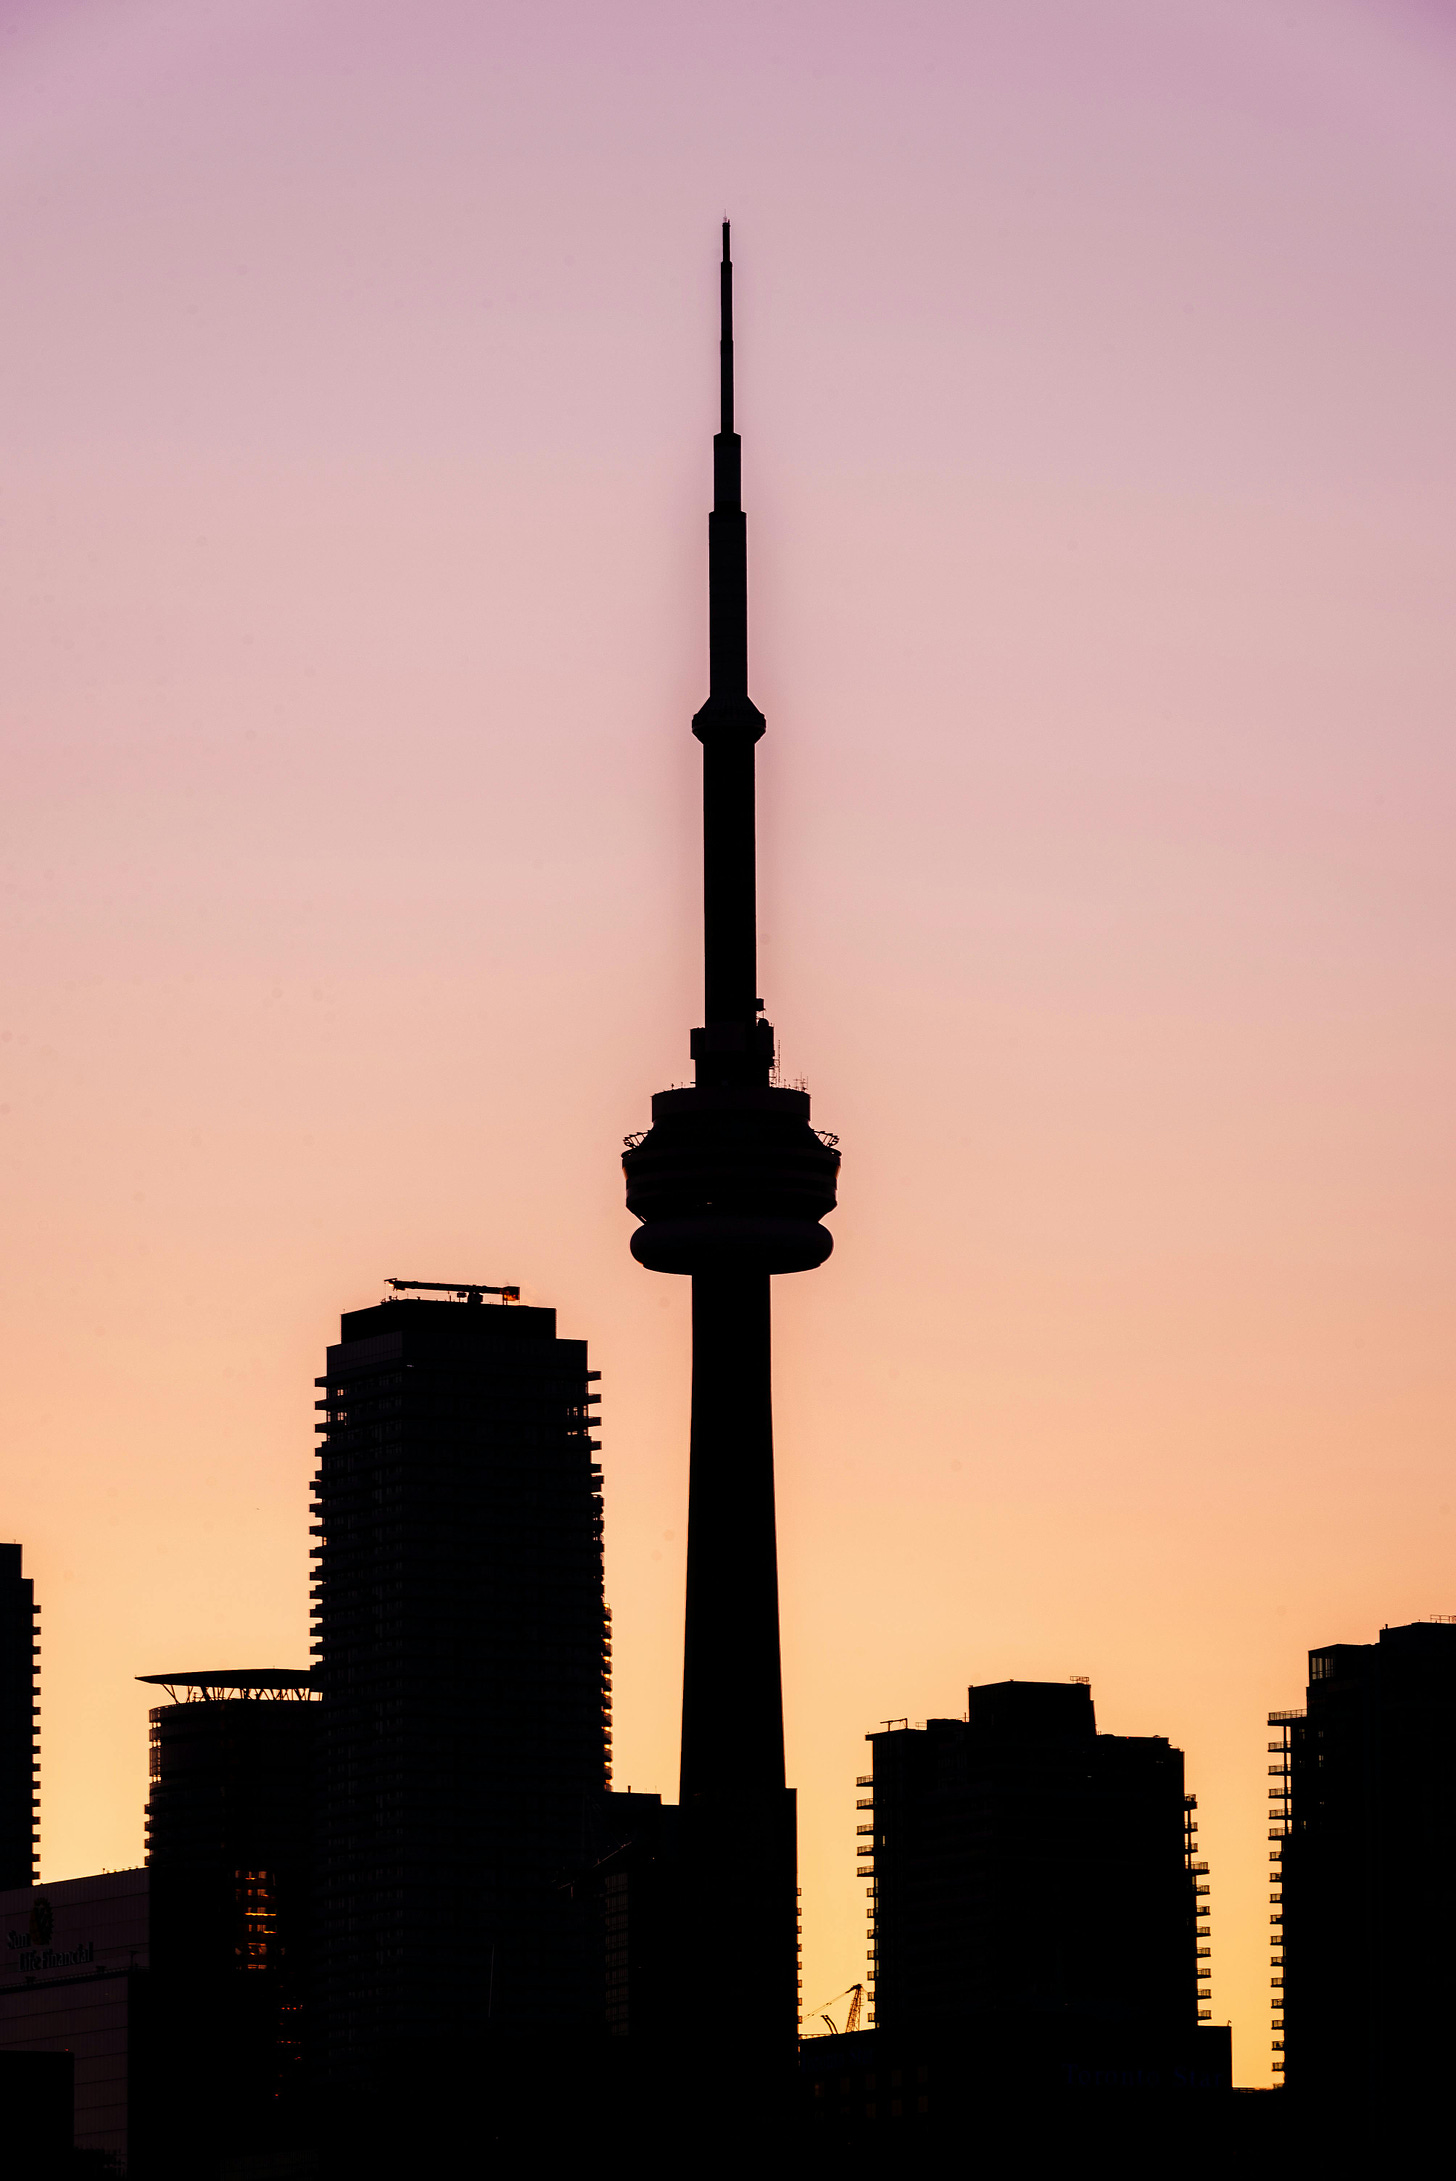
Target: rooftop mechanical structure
(731,1185)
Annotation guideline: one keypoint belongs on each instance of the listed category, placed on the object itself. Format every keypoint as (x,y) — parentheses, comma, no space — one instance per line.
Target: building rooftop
(232,1682)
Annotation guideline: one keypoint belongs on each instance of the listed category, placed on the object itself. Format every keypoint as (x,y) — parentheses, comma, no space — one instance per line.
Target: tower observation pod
(731,1185)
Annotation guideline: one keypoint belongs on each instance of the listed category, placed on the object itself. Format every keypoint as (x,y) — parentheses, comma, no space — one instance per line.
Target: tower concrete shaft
(731,1184)
(733,1706)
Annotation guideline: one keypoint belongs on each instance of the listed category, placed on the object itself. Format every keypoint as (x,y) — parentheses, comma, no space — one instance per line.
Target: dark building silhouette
(19,1713)
(42,2086)
(1033,1874)
(464,1663)
(1364,1804)
(730,1184)
(635,1877)
(1036,2095)
(230,1859)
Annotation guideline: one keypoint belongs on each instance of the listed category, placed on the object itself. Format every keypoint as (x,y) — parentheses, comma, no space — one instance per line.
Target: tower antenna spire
(725,338)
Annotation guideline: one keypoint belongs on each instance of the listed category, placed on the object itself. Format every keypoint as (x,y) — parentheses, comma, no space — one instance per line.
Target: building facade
(1364,1802)
(73,1978)
(19,1722)
(1024,1867)
(463,1655)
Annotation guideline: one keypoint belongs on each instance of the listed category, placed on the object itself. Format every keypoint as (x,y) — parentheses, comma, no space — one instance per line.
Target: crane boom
(854,1993)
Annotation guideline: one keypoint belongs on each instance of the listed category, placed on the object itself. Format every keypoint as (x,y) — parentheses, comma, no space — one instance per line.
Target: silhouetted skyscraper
(463,1661)
(230,1860)
(1025,1865)
(1366,1818)
(730,1184)
(19,1712)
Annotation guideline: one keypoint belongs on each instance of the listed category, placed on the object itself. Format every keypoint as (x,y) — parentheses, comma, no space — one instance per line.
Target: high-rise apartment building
(1364,1849)
(464,1665)
(229,1858)
(19,1713)
(1025,1866)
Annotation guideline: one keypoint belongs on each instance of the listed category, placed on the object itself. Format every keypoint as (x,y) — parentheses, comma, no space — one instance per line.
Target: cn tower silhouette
(730,1184)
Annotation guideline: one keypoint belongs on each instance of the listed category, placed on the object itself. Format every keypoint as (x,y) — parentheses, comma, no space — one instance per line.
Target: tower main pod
(730,1184)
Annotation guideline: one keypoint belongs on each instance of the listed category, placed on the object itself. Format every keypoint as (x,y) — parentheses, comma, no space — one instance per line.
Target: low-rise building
(73,1978)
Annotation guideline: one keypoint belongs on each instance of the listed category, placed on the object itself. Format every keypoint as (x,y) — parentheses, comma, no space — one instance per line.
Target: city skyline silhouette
(1096,419)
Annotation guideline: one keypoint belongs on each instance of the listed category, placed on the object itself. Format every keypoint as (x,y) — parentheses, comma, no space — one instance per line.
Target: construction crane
(854,1993)
(469,1291)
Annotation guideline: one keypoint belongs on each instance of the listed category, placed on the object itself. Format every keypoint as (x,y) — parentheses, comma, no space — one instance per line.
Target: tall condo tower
(987,1828)
(730,1184)
(461,1637)
(1363,1849)
(19,1710)
(229,1860)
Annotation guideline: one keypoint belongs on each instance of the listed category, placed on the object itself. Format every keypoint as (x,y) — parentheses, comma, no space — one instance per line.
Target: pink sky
(1096,371)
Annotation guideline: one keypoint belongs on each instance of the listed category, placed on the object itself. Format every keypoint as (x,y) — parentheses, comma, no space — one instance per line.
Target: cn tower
(730,1185)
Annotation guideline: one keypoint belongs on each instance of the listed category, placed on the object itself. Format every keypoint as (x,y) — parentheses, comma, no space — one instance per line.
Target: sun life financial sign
(36,1955)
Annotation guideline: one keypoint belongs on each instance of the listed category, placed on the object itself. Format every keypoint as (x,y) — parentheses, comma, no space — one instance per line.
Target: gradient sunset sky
(1097,376)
